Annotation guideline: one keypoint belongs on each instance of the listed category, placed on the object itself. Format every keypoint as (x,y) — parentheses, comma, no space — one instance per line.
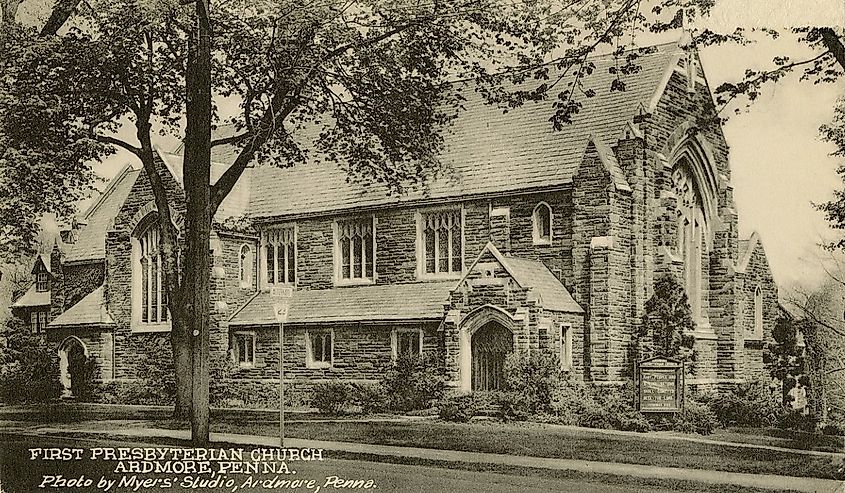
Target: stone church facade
(537,240)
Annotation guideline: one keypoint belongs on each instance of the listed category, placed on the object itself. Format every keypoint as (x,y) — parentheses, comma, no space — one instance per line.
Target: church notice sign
(661,385)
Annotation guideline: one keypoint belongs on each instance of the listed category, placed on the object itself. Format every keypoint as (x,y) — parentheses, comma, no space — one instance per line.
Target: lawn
(524,439)
(545,441)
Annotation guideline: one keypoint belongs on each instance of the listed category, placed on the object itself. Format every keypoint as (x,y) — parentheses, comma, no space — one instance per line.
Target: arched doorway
(490,346)
(73,356)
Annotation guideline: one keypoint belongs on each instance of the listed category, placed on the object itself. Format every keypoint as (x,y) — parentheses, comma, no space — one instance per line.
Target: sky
(779,165)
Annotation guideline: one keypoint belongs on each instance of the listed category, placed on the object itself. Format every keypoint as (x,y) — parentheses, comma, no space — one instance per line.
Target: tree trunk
(196,169)
(180,345)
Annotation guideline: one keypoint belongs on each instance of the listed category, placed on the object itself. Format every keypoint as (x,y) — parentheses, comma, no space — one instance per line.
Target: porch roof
(380,303)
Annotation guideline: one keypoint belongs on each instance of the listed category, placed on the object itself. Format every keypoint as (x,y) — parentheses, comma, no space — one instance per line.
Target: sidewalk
(773,482)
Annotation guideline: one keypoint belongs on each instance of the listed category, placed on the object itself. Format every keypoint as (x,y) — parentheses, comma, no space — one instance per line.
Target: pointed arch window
(542,219)
(758,313)
(691,240)
(150,301)
(245,265)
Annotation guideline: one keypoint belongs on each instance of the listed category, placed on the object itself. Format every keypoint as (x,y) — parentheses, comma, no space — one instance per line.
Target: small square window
(320,349)
(243,348)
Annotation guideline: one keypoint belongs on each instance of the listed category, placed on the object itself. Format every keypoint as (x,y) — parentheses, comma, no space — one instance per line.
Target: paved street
(19,474)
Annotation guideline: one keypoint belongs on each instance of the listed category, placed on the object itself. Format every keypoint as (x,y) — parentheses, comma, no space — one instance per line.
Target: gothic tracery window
(691,230)
(153,302)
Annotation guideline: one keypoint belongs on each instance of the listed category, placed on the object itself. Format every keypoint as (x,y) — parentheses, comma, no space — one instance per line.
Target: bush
(535,376)
(750,404)
(569,402)
(29,371)
(612,408)
(796,420)
(696,418)
(461,408)
(331,397)
(513,405)
(413,383)
(833,429)
(370,397)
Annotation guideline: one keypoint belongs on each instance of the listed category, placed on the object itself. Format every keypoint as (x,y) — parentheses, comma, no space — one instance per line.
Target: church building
(534,240)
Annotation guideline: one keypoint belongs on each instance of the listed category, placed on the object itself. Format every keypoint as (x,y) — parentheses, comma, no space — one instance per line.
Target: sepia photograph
(422,246)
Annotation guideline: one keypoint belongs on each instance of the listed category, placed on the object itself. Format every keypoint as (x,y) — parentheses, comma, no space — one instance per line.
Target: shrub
(796,420)
(535,376)
(331,397)
(413,383)
(371,397)
(696,418)
(461,408)
(28,370)
(750,404)
(612,408)
(513,405)
(570,401)
(833,429)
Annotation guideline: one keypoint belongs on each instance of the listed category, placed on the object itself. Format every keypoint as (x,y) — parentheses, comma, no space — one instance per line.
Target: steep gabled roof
(90,241)
(534,276)
(91,310)
(486,150)
(746,250)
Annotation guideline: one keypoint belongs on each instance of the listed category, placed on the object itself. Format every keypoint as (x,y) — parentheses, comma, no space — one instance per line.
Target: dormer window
(42,283)
(542,224)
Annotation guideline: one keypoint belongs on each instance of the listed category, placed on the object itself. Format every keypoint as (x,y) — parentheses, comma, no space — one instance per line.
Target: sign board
(660,385)
(281,292)
(281,301)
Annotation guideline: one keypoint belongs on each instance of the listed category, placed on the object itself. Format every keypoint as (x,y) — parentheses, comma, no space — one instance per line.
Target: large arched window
(542,219)
(149,301)
(245,266)
(692,231)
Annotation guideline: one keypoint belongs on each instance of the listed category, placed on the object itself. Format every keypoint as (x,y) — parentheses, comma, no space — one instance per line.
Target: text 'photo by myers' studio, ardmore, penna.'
(422,246)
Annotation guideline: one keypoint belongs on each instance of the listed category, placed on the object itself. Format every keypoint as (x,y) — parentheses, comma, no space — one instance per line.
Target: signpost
(281,302)
(660,385)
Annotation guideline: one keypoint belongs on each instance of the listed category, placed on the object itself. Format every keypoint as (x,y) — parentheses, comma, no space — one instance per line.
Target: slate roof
(536,277)
(32,298)
(486,150)
(394,302)
(236,202)
(91,239)
(91,310)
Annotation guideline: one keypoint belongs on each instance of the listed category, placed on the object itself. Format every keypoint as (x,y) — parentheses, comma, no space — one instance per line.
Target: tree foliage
(667,324)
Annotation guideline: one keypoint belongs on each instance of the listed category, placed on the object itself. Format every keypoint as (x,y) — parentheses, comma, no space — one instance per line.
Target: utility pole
(196,169)
(281,302)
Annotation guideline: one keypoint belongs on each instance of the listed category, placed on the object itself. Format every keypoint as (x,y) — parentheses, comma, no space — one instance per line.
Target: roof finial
(686,40)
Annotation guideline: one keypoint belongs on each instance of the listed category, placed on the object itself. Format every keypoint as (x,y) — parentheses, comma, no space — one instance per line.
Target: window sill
(441,277)
(354,282)
(143,328)
(539,242)
(317,365)
(245,366)
(754,342)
